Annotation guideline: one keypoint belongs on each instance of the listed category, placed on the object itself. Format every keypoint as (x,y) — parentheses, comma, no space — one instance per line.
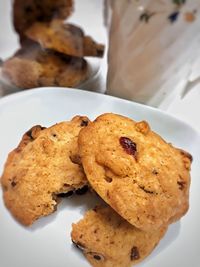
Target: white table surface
(187,109)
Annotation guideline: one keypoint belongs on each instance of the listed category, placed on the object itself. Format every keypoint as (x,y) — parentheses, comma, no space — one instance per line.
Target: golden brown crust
(143,178)
(64,38)
(25,13)
(107,240)
(33,67)
(40,168)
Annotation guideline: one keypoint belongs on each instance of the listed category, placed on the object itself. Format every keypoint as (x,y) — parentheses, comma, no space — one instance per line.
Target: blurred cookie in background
(25,13)
(32,67)
(65,38)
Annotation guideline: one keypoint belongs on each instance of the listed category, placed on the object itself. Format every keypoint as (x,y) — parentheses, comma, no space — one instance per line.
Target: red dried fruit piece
(128,145)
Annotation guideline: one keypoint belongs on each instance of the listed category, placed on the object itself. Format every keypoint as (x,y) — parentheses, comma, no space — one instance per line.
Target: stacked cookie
(143,180)
(52,52)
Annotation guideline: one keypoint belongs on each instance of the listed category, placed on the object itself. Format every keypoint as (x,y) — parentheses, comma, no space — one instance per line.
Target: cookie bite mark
(116,243)
(129,146)
(40,172)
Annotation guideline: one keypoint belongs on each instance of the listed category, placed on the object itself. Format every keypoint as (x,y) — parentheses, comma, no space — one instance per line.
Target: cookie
(141,176)
(33,67)
(44,165)
(65,38)
(107,240)
(25,13)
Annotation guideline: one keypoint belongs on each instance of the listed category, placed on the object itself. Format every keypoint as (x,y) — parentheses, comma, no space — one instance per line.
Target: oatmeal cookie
(43,166)
(25,13)
(141,176)
(107,240)
(64,38)
(33,67)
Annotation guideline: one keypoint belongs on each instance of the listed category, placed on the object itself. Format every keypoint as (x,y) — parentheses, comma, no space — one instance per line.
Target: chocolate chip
(82,191)
(84,123)
(135,253)
(128,145)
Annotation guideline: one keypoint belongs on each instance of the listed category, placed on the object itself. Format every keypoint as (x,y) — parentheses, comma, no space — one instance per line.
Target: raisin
(135,253)
(13,183)
(128,145)
(97,257)
(181,184)
(84,123)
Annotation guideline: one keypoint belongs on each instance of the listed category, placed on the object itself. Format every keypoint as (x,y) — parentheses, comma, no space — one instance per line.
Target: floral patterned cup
(153,47)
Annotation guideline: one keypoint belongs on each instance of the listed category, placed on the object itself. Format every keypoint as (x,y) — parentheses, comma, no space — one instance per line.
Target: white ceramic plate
(47,243)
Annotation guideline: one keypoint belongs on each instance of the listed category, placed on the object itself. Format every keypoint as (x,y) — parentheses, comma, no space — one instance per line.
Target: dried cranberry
(128,145)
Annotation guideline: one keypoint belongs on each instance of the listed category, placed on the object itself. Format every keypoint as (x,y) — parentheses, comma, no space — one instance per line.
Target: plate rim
(5,99)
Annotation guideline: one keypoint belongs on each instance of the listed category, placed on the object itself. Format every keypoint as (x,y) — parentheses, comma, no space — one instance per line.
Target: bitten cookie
(64,38)
(33,67)
(25,13)
(142,177)
(107,240)
(44,165)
